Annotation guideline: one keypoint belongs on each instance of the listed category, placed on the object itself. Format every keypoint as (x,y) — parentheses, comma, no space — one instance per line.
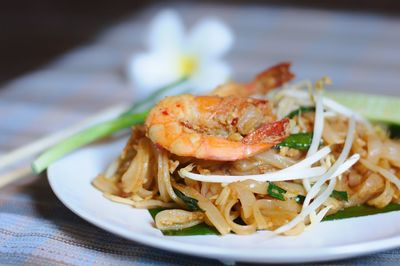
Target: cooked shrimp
(267,80)
(215,128)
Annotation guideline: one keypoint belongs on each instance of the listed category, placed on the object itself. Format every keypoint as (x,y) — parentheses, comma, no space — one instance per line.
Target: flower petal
(152,71)
(166,32)
(210,75)
(210,38)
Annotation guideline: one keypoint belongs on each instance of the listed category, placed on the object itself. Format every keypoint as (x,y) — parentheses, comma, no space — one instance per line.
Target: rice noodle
(384,198)
(166,178)
(258,187)
(145,204)
(391,152)
(373,185)
(247,199)
(105,185)
(134,177)
(385,173)
(112,169)
(374,148)
(213,214)
(309,209)
(237,228)
(223,196)
(258,217)
(331,172)
(162,175)
(330,135)
(274,159)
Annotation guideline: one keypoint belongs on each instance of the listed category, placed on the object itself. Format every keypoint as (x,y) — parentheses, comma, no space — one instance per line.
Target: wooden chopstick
(40,145)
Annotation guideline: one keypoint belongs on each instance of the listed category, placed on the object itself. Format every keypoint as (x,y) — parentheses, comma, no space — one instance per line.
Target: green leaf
(276,191)
(191,203)
(84,137)
(374,107)
(199,229)
(361,210)
(301,110)
(299,141)
(340,195)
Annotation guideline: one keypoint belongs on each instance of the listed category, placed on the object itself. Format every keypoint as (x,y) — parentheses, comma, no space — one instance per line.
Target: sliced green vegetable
(374,107)
(301,110)
(199,229)
(299,141)
(361,210)
(191,203)
(300,199)
(340,195)
(276,191)
(84,137)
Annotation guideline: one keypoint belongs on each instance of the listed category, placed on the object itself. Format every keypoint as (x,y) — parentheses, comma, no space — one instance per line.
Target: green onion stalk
(136,114)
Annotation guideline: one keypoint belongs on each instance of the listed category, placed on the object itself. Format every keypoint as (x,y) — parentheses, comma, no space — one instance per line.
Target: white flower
(173,55)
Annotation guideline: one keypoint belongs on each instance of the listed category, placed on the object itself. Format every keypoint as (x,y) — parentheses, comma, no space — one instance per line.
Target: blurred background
(36,32)
(62,61)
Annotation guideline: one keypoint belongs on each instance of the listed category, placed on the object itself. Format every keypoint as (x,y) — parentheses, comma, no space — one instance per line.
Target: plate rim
(298,255)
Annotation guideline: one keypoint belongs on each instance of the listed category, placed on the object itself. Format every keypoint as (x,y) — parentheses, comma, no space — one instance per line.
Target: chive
(275,191)
(191,203)
(300,199)
(299,141)
(198,229)
(361,210)
(340,195)
(84,137)
(300,110)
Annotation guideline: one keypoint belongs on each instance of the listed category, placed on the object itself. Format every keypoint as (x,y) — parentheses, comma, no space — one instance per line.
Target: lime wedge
(373,107)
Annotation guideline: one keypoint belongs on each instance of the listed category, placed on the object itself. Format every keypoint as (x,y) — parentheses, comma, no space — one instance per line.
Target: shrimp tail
(271,78)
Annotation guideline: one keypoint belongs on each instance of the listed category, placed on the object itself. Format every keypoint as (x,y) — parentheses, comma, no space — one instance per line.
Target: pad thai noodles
(272,154)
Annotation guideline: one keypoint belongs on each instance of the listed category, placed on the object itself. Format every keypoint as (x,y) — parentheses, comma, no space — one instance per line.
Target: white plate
(70,180)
